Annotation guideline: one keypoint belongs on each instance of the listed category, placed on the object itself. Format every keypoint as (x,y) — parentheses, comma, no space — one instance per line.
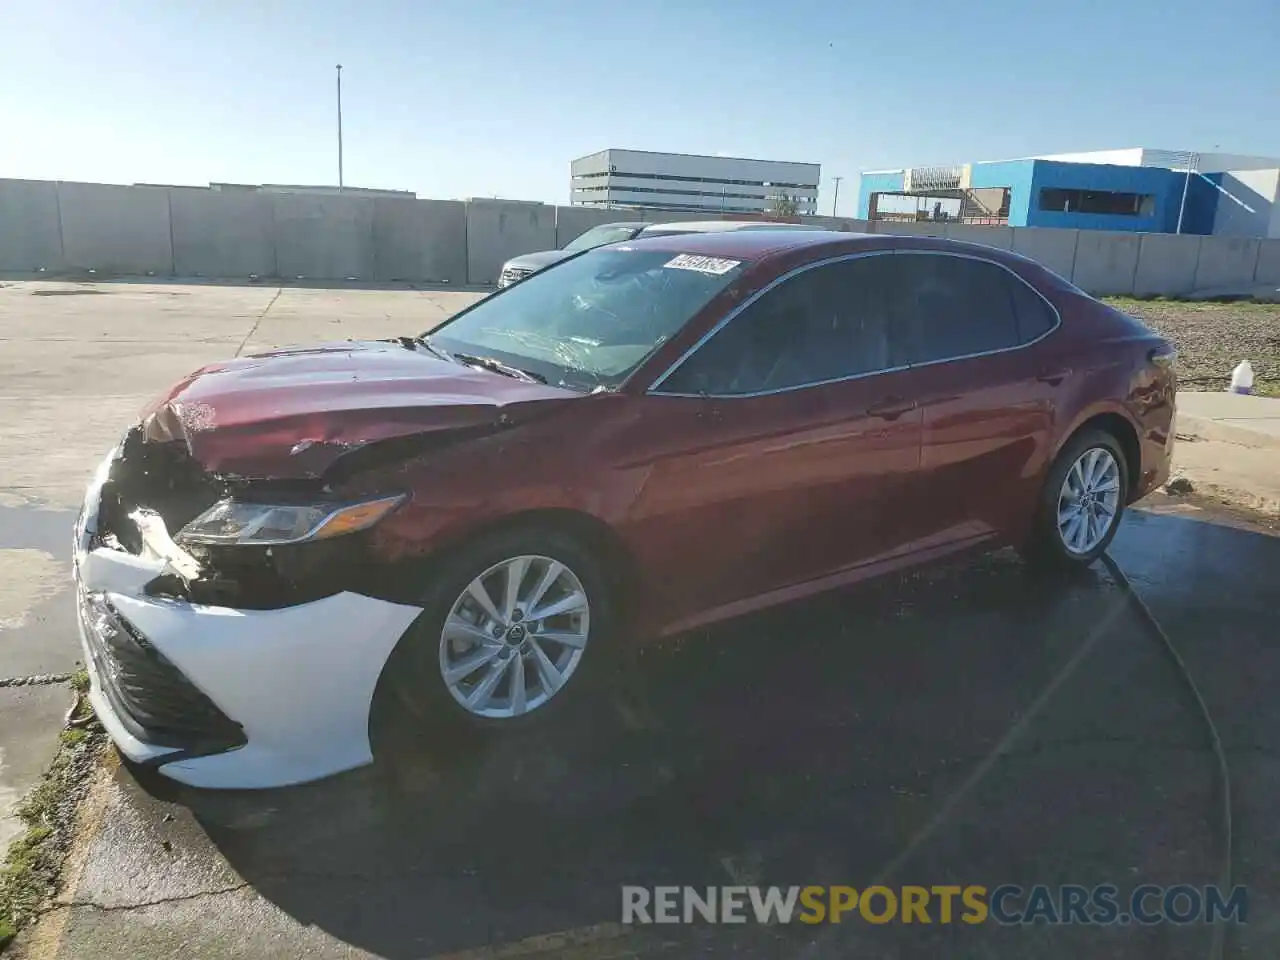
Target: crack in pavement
(257,323)
(124,907)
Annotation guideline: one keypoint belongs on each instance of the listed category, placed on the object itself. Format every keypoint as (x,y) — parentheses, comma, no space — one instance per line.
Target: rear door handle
(891,408)
(1053,377)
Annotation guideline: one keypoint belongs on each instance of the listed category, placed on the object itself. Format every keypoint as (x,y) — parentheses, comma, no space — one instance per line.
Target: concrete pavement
(1229,447)
(1235,418)
(77,360)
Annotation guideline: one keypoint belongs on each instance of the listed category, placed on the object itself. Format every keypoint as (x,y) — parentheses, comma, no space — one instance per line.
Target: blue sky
(456,99)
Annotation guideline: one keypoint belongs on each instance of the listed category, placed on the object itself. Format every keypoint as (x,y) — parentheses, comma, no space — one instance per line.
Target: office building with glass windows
(644,180)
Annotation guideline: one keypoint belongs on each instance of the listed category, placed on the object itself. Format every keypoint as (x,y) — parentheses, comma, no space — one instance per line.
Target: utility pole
(836,198)
(339,128)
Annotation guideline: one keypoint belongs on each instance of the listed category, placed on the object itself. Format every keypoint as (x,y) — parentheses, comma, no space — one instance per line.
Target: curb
(1209,429)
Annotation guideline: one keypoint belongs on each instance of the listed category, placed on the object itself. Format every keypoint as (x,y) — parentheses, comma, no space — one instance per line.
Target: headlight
(265,524)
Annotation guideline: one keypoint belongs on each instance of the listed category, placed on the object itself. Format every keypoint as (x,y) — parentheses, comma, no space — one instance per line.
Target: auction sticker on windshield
(712,265)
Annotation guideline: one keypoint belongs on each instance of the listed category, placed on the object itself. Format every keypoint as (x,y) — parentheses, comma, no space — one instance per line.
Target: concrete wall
(922,228)
(1055,249)
(1226,261)
(324,237)
(420,240)
(498,230)
(30,236)
(1105,261)
(839,224)
(112,229)
(572,222)
(1166,265)
(1001,237)
(222,234)
(1268,270)
(187,231)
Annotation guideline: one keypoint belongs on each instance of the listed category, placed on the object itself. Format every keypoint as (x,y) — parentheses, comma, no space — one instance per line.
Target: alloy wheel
(514,637)
(1089,500)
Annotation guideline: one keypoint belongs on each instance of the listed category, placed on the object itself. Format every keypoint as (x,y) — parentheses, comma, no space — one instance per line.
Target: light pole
(836,198)
(339,128)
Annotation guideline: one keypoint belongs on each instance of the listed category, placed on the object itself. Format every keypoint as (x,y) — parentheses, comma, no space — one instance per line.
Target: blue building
(1136,190)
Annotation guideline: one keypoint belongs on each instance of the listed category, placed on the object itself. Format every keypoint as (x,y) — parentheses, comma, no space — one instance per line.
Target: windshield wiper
(425,341)
(497,366)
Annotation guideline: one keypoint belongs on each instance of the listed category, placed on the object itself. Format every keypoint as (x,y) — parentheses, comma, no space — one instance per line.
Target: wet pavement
(972,724)
(37,638)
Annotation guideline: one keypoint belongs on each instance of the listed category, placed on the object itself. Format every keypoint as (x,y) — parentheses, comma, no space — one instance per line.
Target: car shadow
(830,742)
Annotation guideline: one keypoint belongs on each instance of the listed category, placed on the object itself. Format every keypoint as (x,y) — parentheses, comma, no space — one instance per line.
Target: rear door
(788,447)
(986,385)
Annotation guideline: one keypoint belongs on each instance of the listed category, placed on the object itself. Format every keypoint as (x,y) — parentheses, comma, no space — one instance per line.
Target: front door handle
(1053,377)
(891,408)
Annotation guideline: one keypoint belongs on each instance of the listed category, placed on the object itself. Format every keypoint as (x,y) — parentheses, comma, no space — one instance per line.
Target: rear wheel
(511,627)
(1082,501)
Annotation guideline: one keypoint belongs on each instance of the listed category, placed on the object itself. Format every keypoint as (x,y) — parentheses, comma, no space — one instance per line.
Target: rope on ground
(36,680)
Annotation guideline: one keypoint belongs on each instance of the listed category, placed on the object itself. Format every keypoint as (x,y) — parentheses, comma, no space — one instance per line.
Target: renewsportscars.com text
(944,903)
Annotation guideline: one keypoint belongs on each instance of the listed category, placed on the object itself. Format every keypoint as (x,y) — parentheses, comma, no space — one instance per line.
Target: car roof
(630,224)
(720,226)
(750,244)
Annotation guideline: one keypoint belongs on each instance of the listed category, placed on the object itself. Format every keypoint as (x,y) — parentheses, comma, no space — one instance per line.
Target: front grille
(512,275)
(155,702)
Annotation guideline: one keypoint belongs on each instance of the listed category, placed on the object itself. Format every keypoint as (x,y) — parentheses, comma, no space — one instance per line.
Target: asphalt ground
(970,724)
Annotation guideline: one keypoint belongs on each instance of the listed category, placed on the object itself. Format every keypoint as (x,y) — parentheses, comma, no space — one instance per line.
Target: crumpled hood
(291,413)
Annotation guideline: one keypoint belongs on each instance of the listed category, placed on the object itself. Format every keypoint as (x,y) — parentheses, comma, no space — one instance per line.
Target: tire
(413,690)
(1057,544)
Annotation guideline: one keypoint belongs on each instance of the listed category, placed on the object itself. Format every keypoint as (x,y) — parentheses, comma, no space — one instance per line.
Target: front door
(785,449)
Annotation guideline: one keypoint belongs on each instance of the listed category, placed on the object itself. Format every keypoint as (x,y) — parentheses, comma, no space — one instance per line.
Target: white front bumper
(299,680)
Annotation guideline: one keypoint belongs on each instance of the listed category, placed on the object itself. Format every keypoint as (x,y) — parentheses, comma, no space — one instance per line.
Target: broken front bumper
(223,697)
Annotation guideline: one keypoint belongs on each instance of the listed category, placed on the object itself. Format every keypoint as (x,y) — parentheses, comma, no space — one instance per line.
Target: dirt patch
(1213,337)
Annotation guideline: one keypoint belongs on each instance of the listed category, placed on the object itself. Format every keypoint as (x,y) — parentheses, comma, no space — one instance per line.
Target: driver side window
(823,324)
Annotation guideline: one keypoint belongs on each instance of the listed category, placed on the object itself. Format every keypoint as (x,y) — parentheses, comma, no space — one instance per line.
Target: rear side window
(1035,317)
(955,306)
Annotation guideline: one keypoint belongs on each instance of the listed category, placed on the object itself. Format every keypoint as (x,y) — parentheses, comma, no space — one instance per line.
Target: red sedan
(641,439)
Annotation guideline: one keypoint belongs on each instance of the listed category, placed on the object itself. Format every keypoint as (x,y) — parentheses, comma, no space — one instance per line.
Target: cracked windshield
(591,321)
(533,480)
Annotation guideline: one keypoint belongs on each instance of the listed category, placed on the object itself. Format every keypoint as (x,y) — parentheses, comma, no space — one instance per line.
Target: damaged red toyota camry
(639,440)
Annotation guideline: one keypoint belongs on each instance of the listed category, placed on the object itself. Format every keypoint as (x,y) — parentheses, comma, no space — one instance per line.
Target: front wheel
(511,626)
(1081,503)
